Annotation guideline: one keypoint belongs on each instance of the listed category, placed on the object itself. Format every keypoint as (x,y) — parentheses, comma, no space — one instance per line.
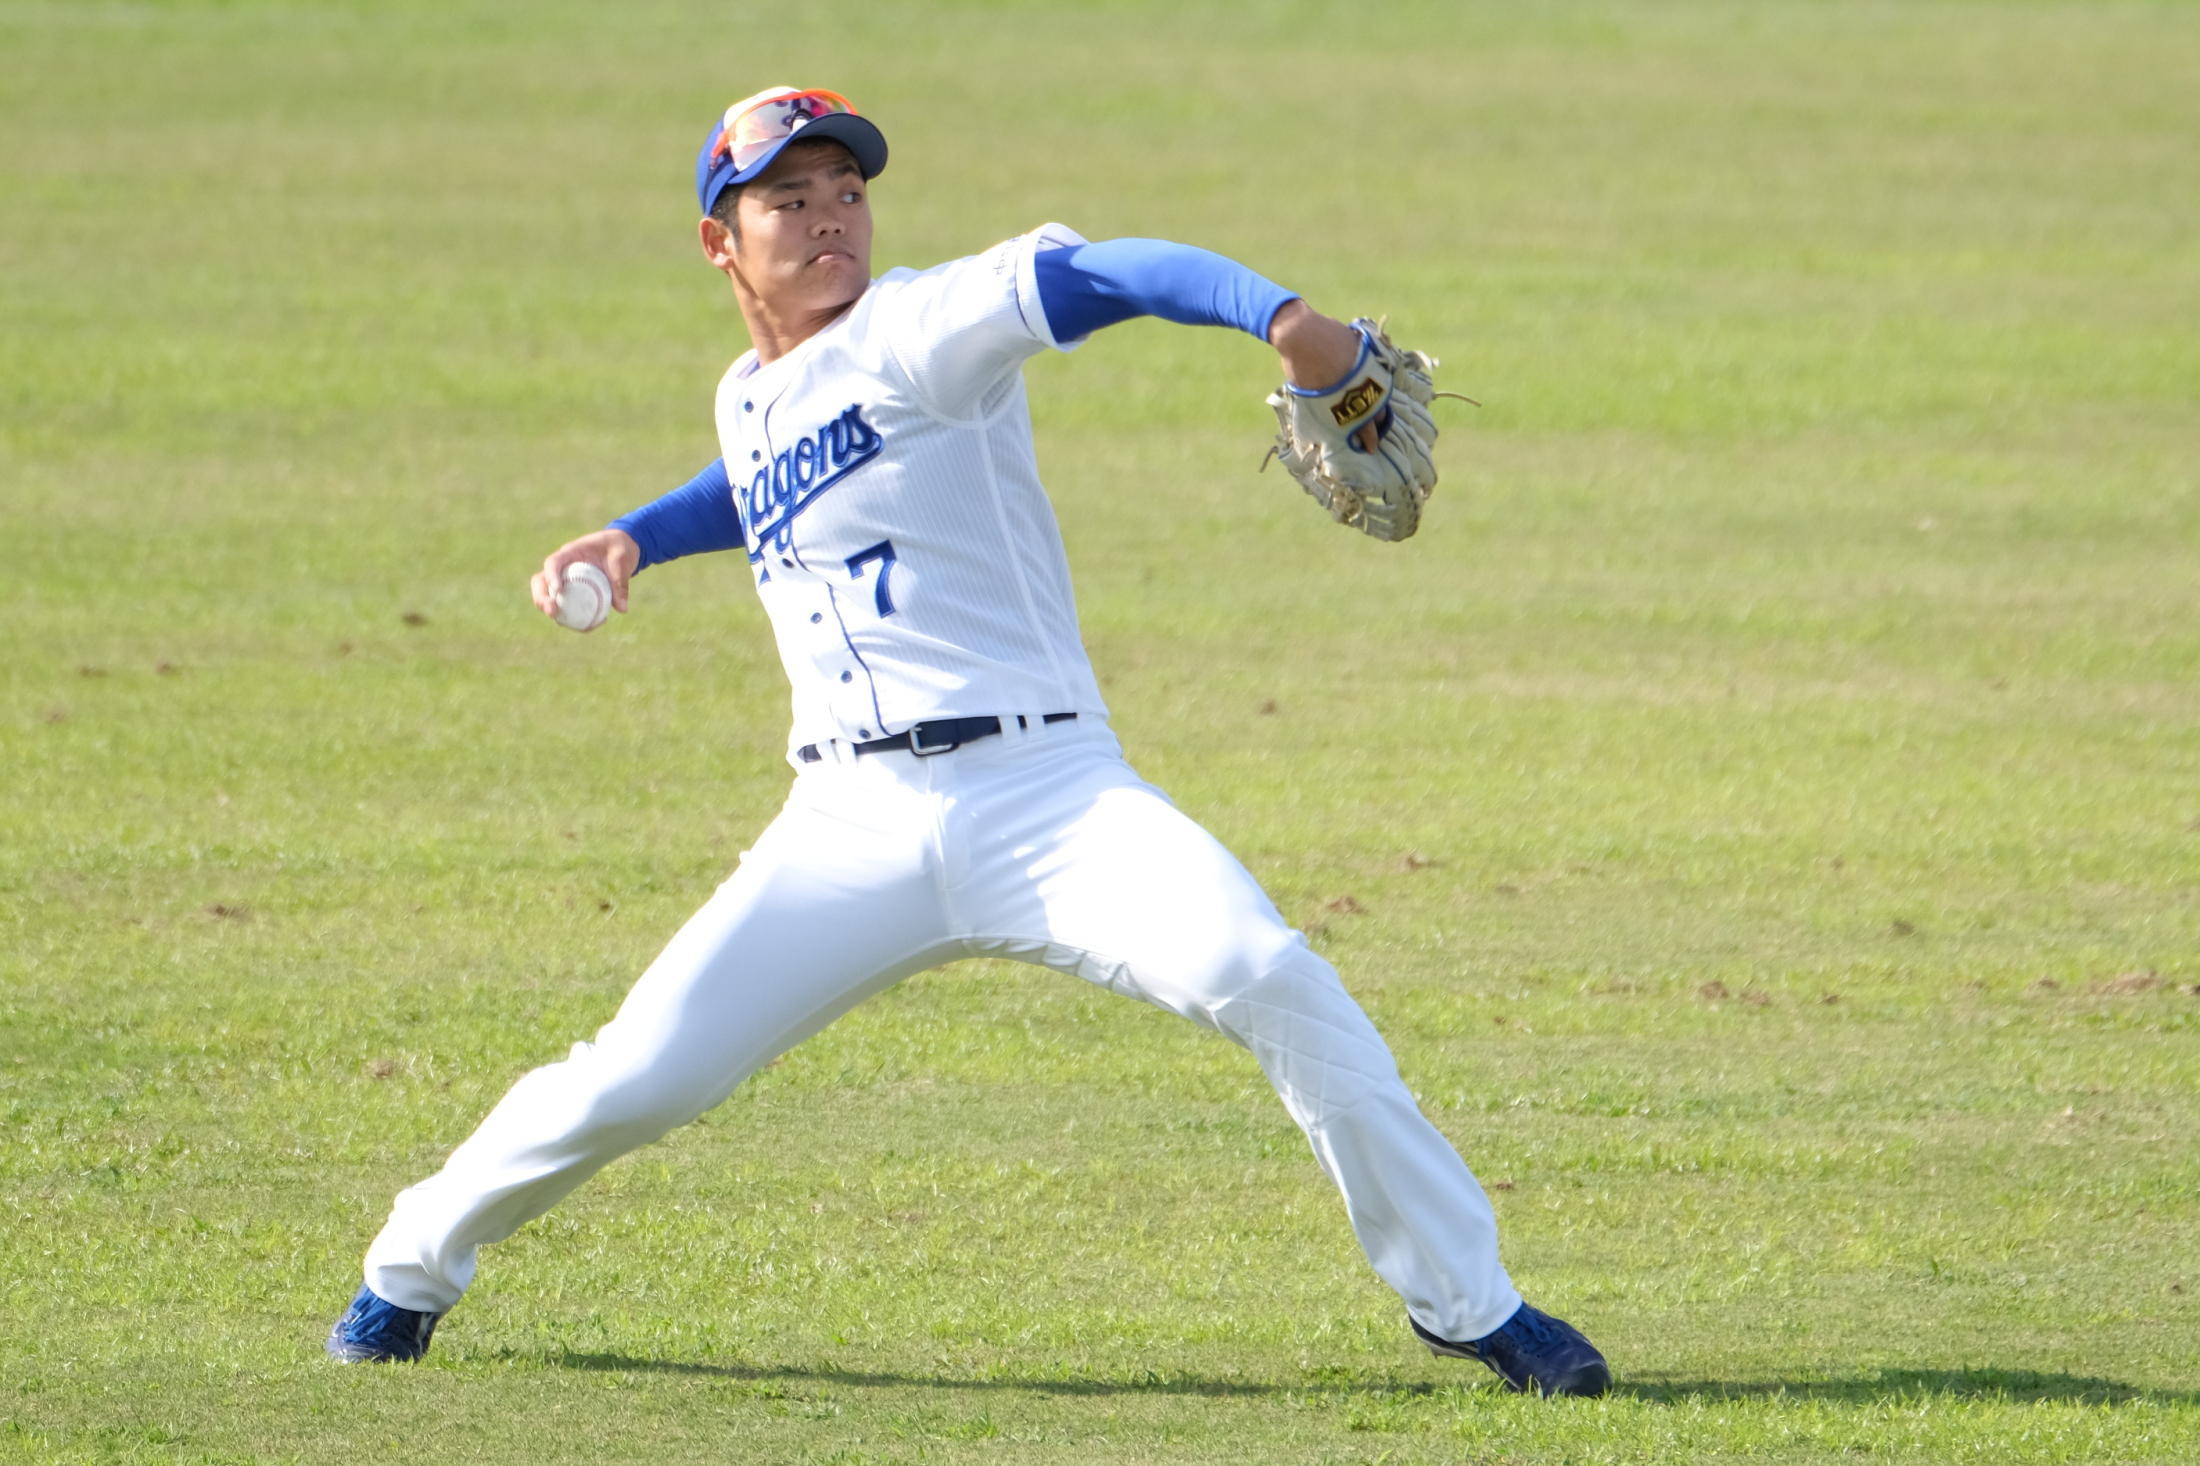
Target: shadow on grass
(1150,1383)
(2016,1386)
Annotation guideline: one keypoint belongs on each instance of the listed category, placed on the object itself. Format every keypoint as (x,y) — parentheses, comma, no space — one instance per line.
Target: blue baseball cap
(743,142)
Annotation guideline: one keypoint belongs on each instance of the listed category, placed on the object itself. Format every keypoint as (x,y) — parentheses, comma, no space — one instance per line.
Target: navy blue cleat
(1533,1351)
(376,1331)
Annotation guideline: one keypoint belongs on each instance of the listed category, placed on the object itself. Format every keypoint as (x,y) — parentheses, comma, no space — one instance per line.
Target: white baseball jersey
(901,541)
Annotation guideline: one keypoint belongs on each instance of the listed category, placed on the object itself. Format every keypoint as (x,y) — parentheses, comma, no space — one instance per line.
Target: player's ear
(719,242)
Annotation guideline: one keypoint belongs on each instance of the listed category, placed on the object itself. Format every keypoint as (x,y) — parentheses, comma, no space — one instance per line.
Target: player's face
(806,230)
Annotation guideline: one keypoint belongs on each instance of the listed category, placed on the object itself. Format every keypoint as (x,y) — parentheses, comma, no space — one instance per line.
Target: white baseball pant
(1040,845)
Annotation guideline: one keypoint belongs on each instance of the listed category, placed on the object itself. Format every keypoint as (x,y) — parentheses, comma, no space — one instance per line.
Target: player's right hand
(612,551)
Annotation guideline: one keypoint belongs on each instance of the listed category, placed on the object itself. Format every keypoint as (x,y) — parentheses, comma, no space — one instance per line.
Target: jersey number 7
(883,553)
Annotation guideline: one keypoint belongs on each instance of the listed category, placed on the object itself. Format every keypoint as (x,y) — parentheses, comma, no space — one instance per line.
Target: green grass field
(1762,808)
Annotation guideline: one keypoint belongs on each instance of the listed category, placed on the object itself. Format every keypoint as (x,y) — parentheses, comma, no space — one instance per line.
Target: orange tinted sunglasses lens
(774,120)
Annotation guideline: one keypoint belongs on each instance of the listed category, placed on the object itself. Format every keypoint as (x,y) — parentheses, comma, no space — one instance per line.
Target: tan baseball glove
(1377,491)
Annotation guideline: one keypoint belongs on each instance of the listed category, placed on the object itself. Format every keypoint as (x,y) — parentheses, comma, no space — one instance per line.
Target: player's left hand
(1363,445)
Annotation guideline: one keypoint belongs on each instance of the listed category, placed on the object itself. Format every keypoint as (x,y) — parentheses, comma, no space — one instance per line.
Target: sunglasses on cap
(754,127)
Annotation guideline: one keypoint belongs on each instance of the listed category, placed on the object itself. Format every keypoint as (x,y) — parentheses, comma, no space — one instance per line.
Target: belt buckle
(920,749)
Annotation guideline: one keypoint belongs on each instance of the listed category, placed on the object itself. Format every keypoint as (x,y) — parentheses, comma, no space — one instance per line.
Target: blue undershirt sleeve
(1088,286)
(693,519)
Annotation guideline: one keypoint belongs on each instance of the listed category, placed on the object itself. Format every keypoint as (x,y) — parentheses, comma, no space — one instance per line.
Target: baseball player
(957,791)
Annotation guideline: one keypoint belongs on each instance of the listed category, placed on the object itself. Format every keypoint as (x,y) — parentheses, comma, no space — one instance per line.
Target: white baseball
(584,601)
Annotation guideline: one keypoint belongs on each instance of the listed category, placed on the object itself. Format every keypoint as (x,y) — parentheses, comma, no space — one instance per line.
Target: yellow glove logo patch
(1357,402)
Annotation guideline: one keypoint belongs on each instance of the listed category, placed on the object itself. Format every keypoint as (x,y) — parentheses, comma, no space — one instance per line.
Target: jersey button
(786,562)
(863,732)
(847,676)
(816,616)
(748,407)
(756,455)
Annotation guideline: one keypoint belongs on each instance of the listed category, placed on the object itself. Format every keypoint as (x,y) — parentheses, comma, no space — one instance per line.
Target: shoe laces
(378,1317)
(1533,1330)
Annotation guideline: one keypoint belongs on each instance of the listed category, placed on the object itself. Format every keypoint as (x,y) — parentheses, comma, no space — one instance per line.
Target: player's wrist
(1318,351)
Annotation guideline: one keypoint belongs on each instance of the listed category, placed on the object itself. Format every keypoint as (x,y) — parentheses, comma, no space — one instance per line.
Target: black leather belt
(942,735)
